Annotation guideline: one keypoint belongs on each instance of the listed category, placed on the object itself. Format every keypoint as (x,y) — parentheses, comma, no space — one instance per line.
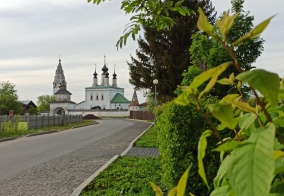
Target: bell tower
(59,78)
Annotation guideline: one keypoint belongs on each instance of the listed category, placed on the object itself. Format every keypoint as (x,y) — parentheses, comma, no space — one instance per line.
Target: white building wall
(101,113)
(65,106)
(120,106)
(107,94)
(62,97)
(80,106)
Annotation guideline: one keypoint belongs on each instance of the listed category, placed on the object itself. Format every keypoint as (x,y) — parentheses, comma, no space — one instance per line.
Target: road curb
(133,141)
(42,133)
(8,139)
(78,190)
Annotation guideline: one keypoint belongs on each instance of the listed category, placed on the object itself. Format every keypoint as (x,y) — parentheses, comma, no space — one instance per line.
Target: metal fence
(142,115)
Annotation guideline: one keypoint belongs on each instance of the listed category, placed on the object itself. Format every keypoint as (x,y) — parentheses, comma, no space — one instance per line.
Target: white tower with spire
(59,78)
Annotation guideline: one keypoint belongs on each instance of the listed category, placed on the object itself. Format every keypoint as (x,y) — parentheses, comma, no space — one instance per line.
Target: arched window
(91,97)
(102,97)
(97,97)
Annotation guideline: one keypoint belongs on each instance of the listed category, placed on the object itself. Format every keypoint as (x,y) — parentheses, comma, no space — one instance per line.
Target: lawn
(126,176)
(22,129)
(148,139)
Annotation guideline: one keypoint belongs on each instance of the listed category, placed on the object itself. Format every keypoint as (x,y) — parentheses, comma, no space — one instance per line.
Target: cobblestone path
(62,175)
(143,152)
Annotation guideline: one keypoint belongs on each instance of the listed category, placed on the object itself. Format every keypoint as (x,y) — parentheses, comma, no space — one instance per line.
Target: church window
(102,97)
(91,97)
(97,97)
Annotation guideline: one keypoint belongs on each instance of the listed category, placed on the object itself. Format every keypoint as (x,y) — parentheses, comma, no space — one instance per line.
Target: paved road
(55,164)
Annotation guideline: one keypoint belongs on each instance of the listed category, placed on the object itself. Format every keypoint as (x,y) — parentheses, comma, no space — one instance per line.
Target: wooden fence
(142,115)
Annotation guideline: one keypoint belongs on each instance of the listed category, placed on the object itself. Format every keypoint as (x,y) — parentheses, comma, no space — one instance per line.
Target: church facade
(104,95)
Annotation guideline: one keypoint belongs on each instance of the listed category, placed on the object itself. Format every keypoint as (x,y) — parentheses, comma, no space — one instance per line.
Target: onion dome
(114,75)
(95,74)
(105,69)
(106,74)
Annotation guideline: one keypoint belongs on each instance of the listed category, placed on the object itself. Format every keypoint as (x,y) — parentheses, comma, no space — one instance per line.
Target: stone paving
(143,152)
(62,175)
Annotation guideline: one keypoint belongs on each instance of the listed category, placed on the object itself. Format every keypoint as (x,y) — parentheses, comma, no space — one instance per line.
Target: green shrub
(179,130)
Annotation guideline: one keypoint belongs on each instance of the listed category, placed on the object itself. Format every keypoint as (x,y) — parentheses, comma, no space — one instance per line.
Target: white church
(105,96)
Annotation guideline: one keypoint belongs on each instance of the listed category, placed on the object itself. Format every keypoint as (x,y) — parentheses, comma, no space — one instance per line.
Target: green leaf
(209,86)
(224,113)
(213,72)
(230,98)
(173,192)
(187,96)
(178,3)
(258,79)
(279,121)
(181,11)
(277,188)
(182,99)
(252,164)
(221,191)
(174,9)
(244,106)
(156,189)
(222,171)
(225,81)
(247,122)
(278,153)
(170,4)
(187,11)
(228,146)
(181,187)
(279,165)
(202,144)
(281,94)
(226,23)
(204,25)
(253,33)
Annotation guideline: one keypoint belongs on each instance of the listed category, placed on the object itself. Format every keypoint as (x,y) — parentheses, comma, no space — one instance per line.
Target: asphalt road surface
(55,164)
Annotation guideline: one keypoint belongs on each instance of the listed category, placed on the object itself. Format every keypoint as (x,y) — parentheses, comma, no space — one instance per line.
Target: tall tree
(164,55)
(43,102)
(207,53)
(9,99)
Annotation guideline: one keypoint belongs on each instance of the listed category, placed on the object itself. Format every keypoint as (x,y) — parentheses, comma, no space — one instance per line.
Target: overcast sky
(35,32)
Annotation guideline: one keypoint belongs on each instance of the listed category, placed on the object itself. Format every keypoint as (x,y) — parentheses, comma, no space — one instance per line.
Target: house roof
(62,102)
(27,102)
(63,91)
(80,102)
(119,98)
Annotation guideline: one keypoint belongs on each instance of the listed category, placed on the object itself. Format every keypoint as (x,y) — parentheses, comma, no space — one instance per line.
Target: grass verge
(126,176)
(22,129)
(148,139)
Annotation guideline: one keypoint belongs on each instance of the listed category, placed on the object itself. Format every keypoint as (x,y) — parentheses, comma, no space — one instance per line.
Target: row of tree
(9,100)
